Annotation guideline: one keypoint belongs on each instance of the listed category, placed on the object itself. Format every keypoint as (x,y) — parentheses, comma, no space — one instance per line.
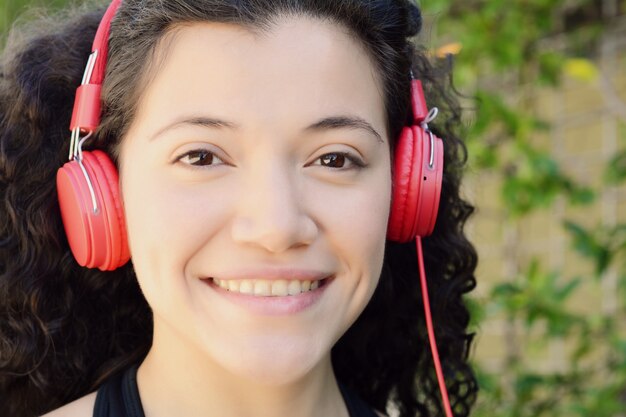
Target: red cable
(431,331)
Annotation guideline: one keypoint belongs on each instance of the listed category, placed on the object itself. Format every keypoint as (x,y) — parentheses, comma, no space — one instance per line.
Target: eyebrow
(339,122)
(195,121)
(327,123)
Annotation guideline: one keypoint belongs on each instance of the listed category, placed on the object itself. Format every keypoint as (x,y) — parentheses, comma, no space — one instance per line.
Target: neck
(176,379)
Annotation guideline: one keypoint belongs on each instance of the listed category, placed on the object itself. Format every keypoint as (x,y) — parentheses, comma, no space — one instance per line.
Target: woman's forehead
(299,65)
(293,42)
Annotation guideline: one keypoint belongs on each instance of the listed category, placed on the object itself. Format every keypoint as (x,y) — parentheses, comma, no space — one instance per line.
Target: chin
(275,367)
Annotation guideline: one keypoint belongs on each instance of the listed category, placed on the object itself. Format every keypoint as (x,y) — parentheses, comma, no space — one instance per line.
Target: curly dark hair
(65,329)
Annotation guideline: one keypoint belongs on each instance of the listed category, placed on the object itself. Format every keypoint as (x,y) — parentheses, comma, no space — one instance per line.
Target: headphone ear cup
(432,180)
(97,238)
(404,194)
(416,185)
(114,209)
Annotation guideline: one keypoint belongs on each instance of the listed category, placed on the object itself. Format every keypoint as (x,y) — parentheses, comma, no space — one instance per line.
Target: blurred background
(544,83)
(546,88)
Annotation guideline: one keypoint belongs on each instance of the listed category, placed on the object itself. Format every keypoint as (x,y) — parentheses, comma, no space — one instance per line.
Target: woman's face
(258,163)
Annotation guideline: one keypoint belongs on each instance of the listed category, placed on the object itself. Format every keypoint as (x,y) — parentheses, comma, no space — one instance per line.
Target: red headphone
(92,210)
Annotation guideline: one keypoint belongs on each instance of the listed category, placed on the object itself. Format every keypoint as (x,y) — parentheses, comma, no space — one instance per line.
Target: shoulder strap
(119,397)
(356,406)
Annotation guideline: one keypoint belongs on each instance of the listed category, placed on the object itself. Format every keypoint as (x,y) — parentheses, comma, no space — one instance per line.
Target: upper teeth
(266,288)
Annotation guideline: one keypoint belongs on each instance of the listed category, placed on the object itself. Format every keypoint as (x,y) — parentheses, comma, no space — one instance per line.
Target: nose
(271,212)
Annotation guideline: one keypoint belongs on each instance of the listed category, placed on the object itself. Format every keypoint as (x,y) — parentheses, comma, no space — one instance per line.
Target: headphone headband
(86,113)
(101,42)
(418,102)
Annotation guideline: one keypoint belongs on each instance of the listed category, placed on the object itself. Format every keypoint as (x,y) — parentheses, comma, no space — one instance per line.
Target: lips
(272,293)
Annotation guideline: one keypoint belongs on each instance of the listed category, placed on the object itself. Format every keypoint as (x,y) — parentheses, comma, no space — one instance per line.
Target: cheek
(355,223)
(167,223)
(366,228)
(355,228)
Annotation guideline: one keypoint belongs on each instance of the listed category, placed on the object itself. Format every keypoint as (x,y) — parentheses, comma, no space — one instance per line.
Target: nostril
(275,233)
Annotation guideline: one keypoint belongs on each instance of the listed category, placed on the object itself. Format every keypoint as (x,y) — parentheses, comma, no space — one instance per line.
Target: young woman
(255,145)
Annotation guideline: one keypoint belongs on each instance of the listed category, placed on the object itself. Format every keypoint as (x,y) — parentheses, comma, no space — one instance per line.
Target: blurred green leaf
(598,245)
(550,67)
(615,172)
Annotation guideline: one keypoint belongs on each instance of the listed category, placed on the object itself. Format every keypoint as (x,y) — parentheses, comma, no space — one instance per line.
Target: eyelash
(357,162)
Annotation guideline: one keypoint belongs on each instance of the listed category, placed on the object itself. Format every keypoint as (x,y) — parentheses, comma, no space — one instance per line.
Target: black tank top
(119,397)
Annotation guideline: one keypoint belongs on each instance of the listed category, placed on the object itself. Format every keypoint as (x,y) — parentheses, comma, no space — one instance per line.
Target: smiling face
(258,163)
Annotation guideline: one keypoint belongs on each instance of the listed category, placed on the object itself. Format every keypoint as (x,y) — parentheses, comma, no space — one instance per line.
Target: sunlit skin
(244,158)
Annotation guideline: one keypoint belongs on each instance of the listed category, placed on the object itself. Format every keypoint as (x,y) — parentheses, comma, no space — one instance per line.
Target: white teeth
(294,287)
(233,285)
(246,287)
(262,288)
(279,288)
(266,288)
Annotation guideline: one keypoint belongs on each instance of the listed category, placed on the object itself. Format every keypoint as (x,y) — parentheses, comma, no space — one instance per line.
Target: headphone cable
(431,331)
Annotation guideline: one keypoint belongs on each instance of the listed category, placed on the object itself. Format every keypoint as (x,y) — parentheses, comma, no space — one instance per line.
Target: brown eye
(333,160)
(199,157)
(340,161)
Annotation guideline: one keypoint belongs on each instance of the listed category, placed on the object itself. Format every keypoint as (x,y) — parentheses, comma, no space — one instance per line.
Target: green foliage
(537,297)
(506,60)
(616,170)
(593,384)
(550,66)
(600,245)
(535,180)
(11,9)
